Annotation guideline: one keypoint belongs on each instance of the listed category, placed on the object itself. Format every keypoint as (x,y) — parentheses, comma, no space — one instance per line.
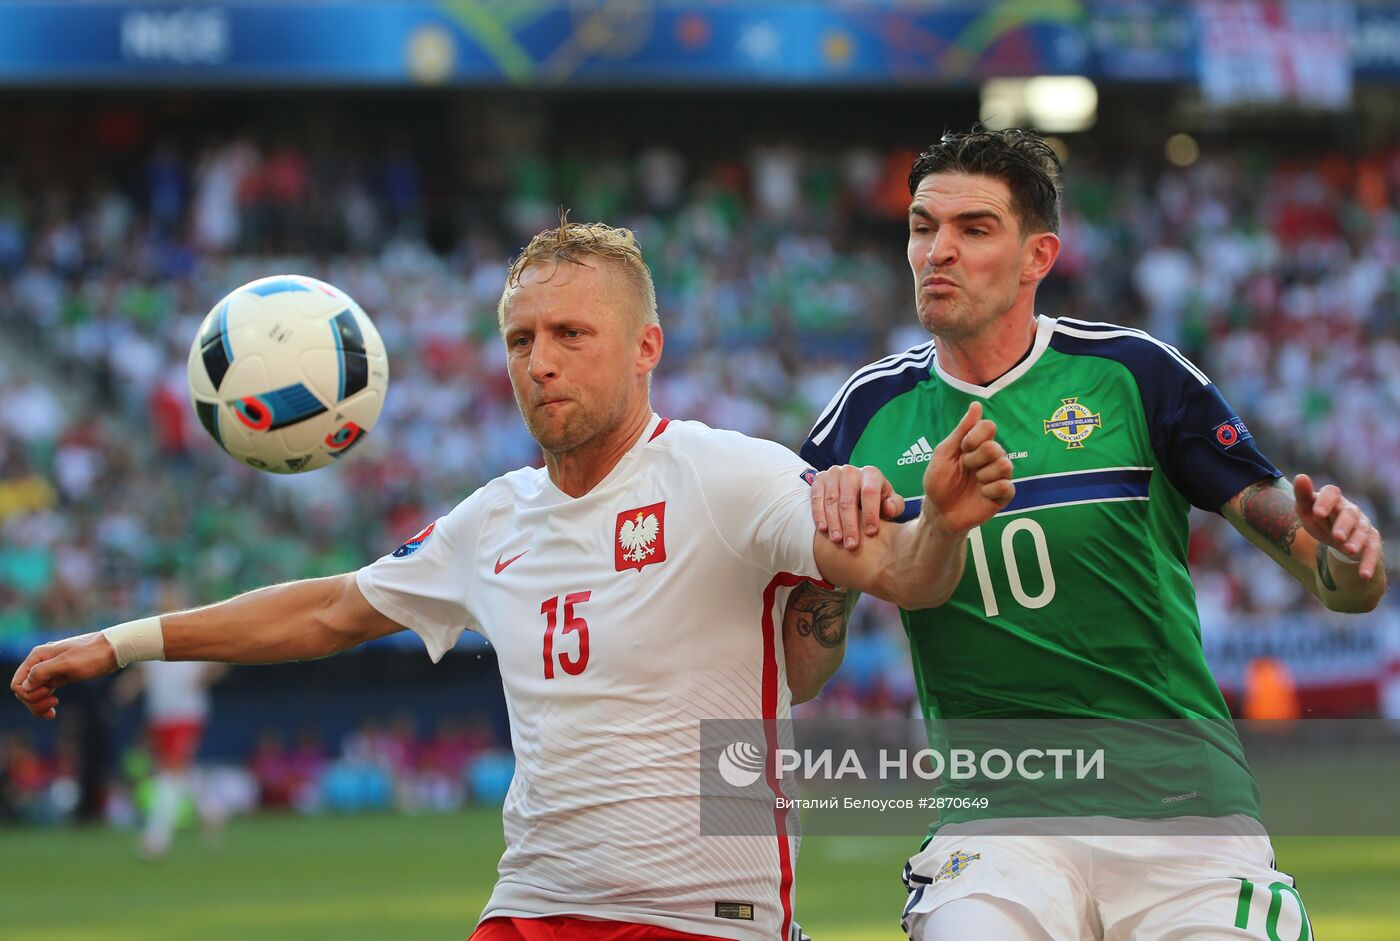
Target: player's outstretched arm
(918,564)
(296,621)
(1318,536)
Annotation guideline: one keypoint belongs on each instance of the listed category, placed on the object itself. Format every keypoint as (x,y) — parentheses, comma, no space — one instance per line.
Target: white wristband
(1342,556)
(137,640)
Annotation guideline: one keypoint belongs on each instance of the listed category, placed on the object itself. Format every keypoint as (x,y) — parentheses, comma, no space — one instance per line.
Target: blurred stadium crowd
(381,765)
(778,269)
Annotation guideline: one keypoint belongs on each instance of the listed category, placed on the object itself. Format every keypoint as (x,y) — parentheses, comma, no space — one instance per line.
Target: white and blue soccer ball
(288,374)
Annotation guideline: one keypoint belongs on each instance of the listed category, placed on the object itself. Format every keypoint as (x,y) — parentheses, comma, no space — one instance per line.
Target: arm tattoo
(1324,571)
(820,613)
(1271,511)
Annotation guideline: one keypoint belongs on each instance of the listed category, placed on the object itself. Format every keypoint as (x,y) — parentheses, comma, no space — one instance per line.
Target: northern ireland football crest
(955,865)
(640,537)
(1072,423)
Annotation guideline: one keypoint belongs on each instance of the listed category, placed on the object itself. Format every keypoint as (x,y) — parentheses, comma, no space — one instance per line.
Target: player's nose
(542,366)
(942,249)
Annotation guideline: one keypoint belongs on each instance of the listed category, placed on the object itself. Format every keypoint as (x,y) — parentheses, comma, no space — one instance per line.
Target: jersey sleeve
(1199,441)
(426,583)
(842,423)
(759,496)
(1205,448)
(838,428)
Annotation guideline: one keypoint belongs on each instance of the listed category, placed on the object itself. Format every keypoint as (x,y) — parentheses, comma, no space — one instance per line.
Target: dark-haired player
(1075,602)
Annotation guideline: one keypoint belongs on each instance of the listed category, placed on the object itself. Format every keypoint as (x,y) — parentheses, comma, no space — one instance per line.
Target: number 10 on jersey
(1013,571)
(550,609)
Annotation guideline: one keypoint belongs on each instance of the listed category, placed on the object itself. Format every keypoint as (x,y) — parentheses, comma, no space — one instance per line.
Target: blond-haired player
(631,590)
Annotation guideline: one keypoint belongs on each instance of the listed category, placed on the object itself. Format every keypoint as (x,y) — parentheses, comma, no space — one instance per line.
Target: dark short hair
(1021,159)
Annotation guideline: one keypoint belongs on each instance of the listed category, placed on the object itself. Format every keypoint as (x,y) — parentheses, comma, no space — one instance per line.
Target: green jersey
(1076,604)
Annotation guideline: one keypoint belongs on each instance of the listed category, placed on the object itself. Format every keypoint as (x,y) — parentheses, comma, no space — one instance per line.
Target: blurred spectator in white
(176,708)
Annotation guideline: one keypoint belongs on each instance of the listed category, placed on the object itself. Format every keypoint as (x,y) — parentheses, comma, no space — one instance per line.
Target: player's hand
(1335,521)
(847,499)
(968,479)
(50,666)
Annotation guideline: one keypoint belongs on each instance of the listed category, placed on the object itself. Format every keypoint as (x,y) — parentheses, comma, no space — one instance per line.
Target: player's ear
(1042,248)
(649,343)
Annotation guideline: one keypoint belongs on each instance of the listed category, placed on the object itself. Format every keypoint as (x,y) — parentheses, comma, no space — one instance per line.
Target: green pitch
(425,878)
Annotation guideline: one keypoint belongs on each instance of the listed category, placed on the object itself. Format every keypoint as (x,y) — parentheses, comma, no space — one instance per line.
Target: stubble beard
(947,319)
(577,430)
(959,318)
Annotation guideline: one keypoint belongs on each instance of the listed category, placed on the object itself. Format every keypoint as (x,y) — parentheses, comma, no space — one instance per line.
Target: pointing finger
(1303,493)
(970,418)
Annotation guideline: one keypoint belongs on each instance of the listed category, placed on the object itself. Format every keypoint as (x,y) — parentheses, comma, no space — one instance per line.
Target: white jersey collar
(619,469)
(1044,328)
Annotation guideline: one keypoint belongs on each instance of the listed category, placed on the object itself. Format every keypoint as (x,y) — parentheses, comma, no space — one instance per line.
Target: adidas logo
(917,453)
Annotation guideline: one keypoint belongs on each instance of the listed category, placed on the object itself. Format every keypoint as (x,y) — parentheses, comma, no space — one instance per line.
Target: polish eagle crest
(640,536)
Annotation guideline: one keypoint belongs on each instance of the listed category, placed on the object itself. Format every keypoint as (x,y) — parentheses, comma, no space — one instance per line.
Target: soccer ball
(288,374)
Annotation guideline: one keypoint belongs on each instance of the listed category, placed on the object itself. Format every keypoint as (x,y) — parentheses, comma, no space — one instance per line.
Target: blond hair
(575,242)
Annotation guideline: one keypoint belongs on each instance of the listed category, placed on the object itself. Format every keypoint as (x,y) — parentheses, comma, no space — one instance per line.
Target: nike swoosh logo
(501,566)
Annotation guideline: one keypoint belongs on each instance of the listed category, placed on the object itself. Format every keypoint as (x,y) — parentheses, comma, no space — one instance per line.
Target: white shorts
(1088,879)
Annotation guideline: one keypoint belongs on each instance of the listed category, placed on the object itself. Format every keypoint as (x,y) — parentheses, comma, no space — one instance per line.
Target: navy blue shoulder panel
(869,389)
(1206,450)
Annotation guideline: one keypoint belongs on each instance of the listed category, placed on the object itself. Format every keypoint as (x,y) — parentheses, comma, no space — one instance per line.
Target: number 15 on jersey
(571,664)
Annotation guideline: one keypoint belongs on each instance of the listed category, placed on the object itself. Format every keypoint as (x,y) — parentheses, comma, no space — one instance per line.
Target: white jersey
(621,620)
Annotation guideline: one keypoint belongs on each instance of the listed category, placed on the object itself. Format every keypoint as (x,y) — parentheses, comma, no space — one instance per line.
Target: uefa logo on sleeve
(1231,432)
